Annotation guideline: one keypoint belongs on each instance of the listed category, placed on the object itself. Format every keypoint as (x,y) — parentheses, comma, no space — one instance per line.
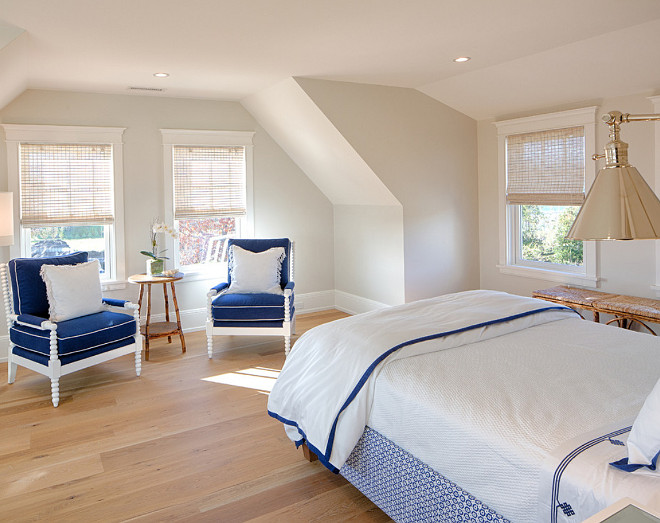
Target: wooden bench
(625,309)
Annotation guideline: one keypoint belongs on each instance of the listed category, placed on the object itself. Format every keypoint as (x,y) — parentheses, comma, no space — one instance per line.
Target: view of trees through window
(204,240)
(544,229)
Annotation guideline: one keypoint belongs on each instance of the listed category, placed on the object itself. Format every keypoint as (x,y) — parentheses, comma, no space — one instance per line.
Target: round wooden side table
(159,329)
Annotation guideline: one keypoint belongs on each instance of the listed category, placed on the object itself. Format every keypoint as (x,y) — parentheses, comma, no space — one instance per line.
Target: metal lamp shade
(619,206)
(6,219)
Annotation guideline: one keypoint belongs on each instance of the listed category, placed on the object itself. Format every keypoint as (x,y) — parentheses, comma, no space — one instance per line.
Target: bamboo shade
(209,181)
(64,184)
(546,167)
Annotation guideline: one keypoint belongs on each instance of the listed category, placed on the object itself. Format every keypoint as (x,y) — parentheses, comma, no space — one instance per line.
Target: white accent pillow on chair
(255,272)
(73,290)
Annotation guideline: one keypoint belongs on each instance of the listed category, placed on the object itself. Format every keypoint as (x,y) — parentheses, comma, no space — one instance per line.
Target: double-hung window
(208,194)
(68,182)
(545,165)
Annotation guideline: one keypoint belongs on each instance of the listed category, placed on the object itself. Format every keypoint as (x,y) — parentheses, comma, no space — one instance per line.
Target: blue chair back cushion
(264,245)
(28,289)
(249,308)
(78,335)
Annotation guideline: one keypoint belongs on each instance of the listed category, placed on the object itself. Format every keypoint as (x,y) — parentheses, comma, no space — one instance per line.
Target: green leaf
(150,254)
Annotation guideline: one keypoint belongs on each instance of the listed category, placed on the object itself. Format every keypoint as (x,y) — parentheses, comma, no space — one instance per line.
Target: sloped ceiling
(309,138)
(525,54)
(13,62)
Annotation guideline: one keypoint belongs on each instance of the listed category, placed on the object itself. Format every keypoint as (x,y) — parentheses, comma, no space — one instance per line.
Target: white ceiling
(525,54)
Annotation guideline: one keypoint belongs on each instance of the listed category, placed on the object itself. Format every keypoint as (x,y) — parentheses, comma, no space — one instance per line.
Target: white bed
(495,410)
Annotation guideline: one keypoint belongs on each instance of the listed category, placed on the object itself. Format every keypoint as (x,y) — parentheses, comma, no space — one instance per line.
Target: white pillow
(255,272)
(73,290)
(644,439)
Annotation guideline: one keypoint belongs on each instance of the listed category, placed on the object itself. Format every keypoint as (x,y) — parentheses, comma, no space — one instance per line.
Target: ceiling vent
(152,89)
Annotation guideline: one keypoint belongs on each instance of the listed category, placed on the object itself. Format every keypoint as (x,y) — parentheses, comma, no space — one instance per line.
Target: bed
(475,406)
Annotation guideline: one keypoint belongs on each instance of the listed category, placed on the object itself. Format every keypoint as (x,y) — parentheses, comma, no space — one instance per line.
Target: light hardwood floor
(168,446)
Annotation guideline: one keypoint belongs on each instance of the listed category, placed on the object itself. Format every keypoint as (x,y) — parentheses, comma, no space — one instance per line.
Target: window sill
(197,275)
(548,275)
(113,285)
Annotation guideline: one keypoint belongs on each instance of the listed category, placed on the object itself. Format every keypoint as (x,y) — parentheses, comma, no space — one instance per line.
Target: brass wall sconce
(620,204)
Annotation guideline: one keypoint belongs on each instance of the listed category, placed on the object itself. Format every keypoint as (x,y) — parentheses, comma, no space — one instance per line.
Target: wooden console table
(625,309)
(161,328)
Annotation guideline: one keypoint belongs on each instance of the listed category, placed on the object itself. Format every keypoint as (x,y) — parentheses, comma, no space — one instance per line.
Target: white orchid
(163,227)
(159,227)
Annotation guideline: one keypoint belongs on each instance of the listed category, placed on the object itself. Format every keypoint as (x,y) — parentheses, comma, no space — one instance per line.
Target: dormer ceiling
(525,54)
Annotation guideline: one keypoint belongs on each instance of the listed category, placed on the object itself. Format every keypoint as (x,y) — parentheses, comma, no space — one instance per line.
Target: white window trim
(172,137)
(655,100)
(585,117)
(17,133)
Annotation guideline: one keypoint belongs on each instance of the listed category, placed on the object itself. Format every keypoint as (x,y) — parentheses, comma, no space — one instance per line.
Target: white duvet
(324,393)
(495,414)
(497,417)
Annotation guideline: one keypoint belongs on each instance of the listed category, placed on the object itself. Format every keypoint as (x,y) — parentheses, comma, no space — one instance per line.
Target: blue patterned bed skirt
(406,489)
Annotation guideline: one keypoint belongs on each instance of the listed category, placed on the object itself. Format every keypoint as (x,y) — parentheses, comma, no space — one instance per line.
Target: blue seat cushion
(28,289)
(43,359)
(249,307)
(77,334)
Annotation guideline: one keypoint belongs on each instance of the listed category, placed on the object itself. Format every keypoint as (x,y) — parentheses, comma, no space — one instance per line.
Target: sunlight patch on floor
(257,378)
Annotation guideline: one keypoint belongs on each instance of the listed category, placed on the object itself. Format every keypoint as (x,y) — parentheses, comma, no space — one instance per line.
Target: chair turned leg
(287,345)
(12,372)
(55,391)
(209,346)
(138,361)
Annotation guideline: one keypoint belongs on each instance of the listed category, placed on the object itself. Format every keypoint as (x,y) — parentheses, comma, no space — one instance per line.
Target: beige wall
(625,267)
(425,153)
(369,252)
(286,203)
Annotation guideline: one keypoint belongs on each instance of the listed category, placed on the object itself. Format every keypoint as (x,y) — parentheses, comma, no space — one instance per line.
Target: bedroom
(354,127)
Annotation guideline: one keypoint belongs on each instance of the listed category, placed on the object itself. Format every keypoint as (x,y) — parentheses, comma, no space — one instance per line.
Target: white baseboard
(195,319)
(314,301)
(4,347)
(353,304)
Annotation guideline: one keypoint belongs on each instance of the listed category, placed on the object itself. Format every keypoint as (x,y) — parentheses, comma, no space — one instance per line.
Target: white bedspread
(325,391)
(578,482)
(491,415)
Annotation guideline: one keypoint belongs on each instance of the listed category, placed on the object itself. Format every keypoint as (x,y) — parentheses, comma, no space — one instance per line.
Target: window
(68,181)
(544,167)
(208,194)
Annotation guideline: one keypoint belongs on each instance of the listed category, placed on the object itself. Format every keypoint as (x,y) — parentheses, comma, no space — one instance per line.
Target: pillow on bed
(73,290)
(644,439)
(255,272)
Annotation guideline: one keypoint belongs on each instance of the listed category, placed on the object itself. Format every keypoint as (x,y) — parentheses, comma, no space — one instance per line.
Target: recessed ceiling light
(462,59)
(161,75)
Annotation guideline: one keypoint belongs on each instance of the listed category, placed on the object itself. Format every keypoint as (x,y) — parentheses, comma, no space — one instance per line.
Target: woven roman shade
(209,181)
(65,184)
(545,167)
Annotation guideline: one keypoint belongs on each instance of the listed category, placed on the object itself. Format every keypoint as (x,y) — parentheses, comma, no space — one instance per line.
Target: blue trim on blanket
(623,464)
(304,439)
(324,457)
(554,502)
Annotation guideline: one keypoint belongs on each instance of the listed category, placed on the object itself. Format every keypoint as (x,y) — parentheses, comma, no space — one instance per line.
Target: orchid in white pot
(156,261)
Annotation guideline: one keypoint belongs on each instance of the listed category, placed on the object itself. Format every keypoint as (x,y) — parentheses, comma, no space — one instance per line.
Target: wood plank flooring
(189,440)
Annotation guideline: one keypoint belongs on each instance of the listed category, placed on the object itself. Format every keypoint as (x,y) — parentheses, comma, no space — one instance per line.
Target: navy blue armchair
(254,313)
(55,349)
